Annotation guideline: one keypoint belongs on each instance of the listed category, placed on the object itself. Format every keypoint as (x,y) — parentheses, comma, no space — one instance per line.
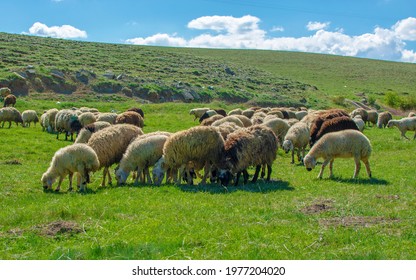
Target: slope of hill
(156,74)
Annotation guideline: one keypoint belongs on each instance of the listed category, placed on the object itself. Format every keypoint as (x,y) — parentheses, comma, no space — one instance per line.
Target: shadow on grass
(359,181)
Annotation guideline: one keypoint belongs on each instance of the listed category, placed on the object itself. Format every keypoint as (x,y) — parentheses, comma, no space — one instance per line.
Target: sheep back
(130,117)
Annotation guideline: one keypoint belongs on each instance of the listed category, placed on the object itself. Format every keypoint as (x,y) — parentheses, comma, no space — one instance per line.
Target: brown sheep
(332,125)
(9,100)
(321,117)
(137,110)
(130,117)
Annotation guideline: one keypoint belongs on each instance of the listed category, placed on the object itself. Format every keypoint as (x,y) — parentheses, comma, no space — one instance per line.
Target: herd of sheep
(223,146)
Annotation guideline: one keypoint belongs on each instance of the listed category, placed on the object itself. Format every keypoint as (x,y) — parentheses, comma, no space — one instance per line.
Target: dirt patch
(318,207)
(60,227)
(356,221)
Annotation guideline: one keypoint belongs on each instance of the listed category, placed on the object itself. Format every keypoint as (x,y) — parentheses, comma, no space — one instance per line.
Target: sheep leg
(404,135)
(61,178)
(367,167)
(245,176)
(357,167)
(237,178)
(149,179)
(293,156)
(324,164)
(331,165)
(207,170)
(414,137)
(136,181)
(256,174)
(269,172)
(263,171)
(104,175)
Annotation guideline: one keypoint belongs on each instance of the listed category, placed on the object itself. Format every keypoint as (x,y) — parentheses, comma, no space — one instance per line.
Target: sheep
(86,132)
(248,113)
(359,122)
(202,145)
(66,120)
(141,153)
(276,112)
(9,100)
(4,91)
(29,116)
(198,112)
(279,127)
(10,114)
(245,120)
(300,114)
(130,117)
(372,116)
(297,137)
(404,125)
(110,144)
(318,118)
(360,111)
(340,144)
(226,128)
(207,115)
(383,119)
(48,120)
(137,110)
(107,117)
(233,119)
(76,158)
(252,146)
(221,112)
(211,120)
(86,118)
(331,125)
(258,117)
(237,111)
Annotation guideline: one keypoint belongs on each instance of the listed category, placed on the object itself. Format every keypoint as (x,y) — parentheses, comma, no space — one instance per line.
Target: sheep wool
(76,158)
(86,132)
(404,125)
(341,144)
(29,116)
(130,117)
(297,137)
(383,119)
(10,114)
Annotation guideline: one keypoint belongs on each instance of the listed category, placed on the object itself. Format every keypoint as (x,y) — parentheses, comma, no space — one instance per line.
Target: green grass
(362,219)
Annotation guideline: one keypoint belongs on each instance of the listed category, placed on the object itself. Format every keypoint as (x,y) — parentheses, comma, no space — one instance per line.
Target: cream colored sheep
(140,155)
(383,119)
(66,121)
(359,122)
(107,117)
(372,116)
(404,125)
(10,114)
(297,137)
(110,144)
(76,158)
(341,144)
(197,112)
(279,127)
(301,114)
(29,116)
(233,119)
(48,120)
(86,132)
(237,111)
(86,118)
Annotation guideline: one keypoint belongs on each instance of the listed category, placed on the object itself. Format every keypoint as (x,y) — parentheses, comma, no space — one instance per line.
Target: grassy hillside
(158,74)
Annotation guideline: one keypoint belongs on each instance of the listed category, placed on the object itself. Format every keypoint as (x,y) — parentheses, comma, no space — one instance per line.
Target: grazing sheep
(248,113)
(10,114)
(252,146)
(86,132)
(202,145)
(237,111)
(198,112)
(359,122)
(9,100)
(245,120)
(404,125)
(48,120)
(297,137)
(142,153)
(226,128)
(279,127)
(233,119)
(130,117)
(331,125)
(137,110)
(372,116)
(76,158)
(362,112)
(207,115)
(29,116)
(341,144)
(276,112)
(86,118)
(110,144)
(4,91)
(107,117)
(66,121)
(383,119)
(211,120)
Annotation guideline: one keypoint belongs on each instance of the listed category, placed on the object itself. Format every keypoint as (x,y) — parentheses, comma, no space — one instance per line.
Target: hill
(30,65)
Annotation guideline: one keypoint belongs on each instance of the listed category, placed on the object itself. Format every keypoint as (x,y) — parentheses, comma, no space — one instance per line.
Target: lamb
(110,144)
(202,145)
(142,153)
(9,100)
(297,137)
(130,117)
(67,121)
(4,91)
(252,146)
(198,112)
(383,119)
(29,116)
(331,125)
(76,158)
(372,116)
(10,114)
(341,144)
(404,125)
(86,132)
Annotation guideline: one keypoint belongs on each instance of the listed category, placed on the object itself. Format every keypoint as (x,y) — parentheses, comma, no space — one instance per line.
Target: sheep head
(309,162)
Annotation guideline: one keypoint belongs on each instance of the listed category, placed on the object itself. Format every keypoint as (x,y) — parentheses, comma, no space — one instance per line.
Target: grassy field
(296,216)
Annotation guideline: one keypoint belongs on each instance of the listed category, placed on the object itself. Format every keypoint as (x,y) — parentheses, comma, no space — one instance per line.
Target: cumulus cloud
(315,25)
(63,32)
(245,33)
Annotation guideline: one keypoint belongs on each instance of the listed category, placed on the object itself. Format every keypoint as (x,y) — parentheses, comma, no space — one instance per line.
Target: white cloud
(315,25)
(245,33)
(277,29)
(63,32)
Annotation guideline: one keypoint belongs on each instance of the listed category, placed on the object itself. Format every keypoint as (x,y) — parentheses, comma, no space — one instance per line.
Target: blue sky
(378,29)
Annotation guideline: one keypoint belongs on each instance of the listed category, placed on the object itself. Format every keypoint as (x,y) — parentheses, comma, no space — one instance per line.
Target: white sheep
(48,120)
(110,144)
(66,121)
(233,119)
(383,119)
(297,137)
(142,153)
(279,127)
(341,144)
(237,111)
(76,158)
(359,122)
(86,132)
(404,125)
(86,118)
(29,116)
(198,112)
(107,117)
(10,114)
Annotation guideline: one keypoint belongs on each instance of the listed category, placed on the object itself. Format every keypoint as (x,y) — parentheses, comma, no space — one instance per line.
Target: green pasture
(296,216)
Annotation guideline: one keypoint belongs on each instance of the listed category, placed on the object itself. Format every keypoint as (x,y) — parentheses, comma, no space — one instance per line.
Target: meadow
(295,216)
